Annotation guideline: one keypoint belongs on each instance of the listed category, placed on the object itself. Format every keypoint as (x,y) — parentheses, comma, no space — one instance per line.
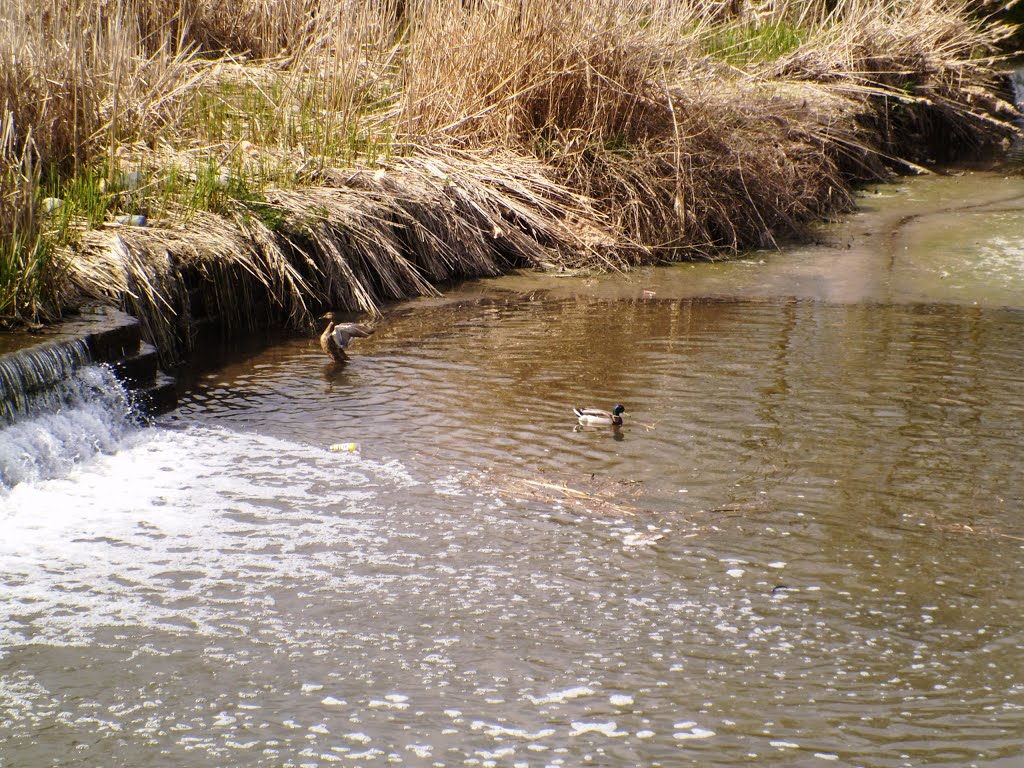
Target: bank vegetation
(254,162)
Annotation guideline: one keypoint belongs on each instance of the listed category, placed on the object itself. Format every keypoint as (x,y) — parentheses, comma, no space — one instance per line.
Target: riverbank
(355,157)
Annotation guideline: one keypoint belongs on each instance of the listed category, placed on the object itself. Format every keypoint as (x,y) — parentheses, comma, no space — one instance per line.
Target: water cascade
(78,415)
(73,394)
(29,379)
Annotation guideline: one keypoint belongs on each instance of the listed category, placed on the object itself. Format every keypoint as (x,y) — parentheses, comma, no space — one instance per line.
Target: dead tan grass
(693,157)
(353,243)
(177,279)
(924,72)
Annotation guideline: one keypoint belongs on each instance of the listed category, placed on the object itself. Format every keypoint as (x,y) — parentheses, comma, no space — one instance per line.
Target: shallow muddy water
(803,548)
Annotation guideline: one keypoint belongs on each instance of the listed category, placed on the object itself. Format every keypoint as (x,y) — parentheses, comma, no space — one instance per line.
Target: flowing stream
(805,546)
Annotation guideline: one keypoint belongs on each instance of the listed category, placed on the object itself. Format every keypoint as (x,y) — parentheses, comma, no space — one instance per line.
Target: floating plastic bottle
(344,447)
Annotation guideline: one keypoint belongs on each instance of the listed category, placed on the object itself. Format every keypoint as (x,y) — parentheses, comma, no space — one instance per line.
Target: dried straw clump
(743,168)
(433,217)
(568,83)
(176,279)
(357,241)
(516,212)
(924,74)
(79,76)
(549,74)
(262,27)
(694,155)
(678,149)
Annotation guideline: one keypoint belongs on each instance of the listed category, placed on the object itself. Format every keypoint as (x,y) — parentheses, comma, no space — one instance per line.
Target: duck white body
(596,417)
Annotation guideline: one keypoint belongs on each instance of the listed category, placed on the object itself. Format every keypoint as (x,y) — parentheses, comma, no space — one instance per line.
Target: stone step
(110,334)
(159,397)
(139,370)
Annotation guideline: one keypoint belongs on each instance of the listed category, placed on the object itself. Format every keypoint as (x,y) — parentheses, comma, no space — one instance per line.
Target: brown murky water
(803,548)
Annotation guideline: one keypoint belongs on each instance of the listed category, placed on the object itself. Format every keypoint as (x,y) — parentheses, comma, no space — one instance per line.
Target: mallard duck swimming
(337,336)
(595,417)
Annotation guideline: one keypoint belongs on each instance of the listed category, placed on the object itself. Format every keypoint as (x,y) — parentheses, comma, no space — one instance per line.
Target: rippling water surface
(803,548)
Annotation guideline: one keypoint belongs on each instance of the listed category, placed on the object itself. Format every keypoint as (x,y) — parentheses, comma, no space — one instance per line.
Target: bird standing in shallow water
(337,336)
(595,417)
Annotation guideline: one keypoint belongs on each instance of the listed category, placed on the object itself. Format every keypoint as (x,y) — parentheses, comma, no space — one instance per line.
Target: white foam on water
(169,514)
(495,754)
(385,704)
(421,750)
(609,729)
(498,731)
(559,697)
(693,733)
(369,754)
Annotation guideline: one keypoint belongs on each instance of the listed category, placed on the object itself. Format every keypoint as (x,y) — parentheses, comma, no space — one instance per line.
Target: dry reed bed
(356,241)
(386,148)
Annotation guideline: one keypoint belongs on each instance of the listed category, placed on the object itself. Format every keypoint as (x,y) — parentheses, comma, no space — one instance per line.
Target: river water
(805,547)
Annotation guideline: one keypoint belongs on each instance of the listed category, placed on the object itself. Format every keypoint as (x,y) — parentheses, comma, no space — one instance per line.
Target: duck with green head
(595,417)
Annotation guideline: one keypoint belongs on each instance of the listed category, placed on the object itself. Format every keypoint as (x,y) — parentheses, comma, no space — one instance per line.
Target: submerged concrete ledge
(32,362)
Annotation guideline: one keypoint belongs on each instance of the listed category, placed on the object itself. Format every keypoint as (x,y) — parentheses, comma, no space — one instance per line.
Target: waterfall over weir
(84,413)
(29,378)
(73,393)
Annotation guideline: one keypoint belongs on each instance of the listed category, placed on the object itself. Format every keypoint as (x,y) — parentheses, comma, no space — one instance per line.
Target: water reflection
(724,398)
(861,456)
